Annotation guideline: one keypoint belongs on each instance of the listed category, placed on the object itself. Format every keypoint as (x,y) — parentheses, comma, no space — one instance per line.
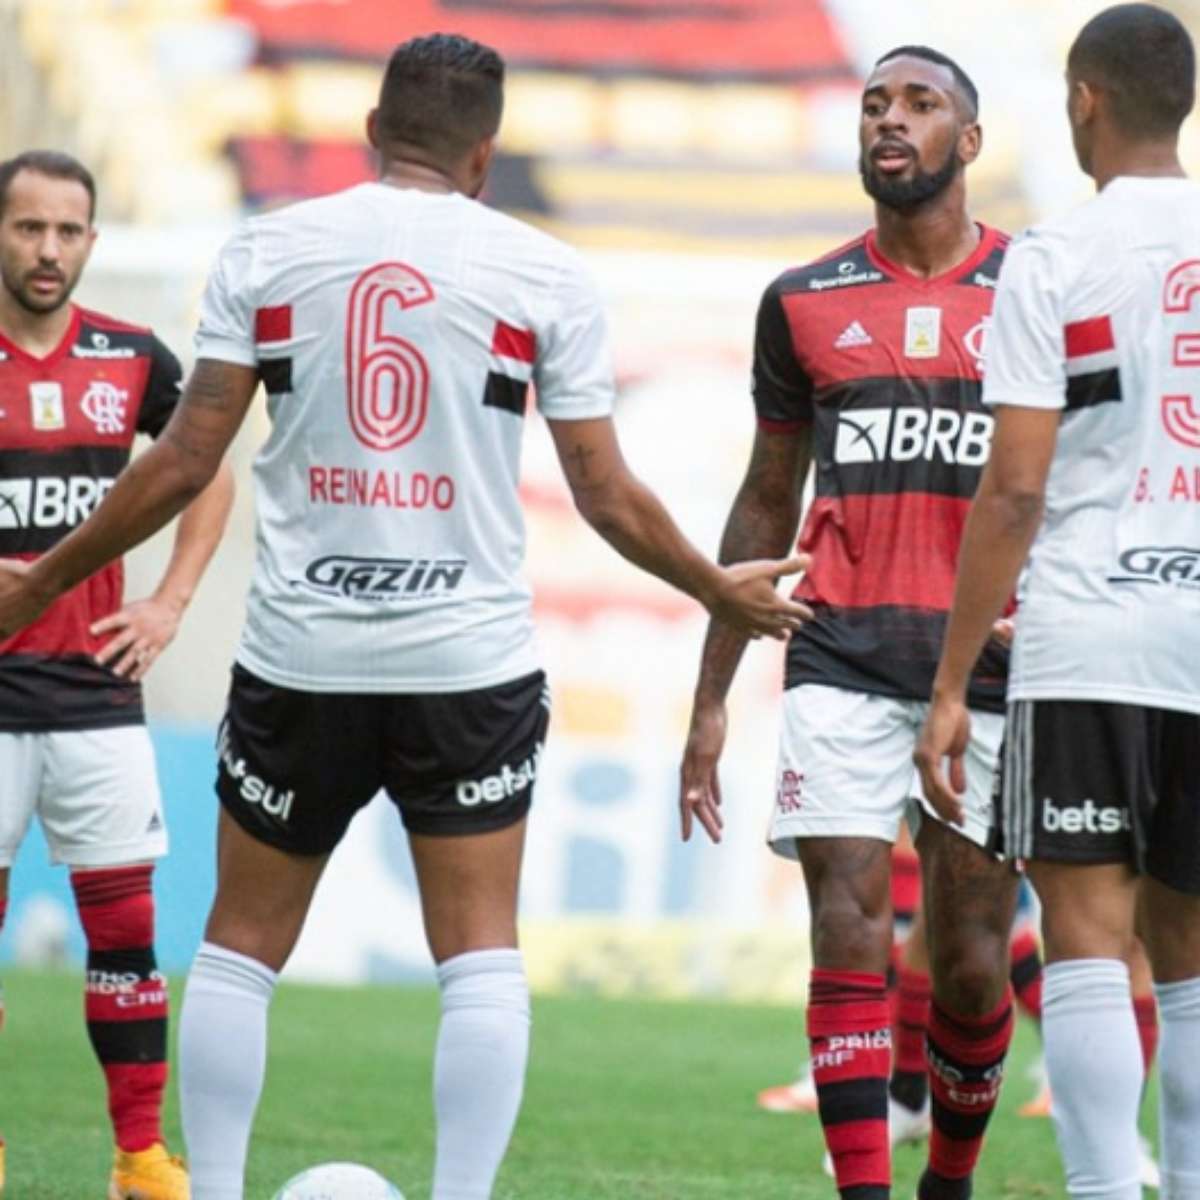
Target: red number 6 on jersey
(387,378)
(1179,412)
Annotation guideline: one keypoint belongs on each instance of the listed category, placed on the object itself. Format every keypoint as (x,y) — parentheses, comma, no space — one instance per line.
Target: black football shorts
(294,767)
(1090,782)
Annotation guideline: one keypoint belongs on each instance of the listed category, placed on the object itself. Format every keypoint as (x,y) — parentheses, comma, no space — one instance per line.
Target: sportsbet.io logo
(867,435)
(384,579)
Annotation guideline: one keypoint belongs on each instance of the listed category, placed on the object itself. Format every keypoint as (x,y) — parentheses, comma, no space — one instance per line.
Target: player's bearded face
(45,238)
(906,193)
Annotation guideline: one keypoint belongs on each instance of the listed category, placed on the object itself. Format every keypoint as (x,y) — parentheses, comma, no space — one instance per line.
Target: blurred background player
(396,327)
(864,362)
(1092,369)
(75,388)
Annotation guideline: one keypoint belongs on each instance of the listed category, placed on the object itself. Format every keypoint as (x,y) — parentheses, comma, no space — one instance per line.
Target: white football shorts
(846,770)
(95,792)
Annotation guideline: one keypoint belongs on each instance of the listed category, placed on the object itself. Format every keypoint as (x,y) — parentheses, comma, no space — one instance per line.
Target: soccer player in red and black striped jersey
(868,364)
(75,388)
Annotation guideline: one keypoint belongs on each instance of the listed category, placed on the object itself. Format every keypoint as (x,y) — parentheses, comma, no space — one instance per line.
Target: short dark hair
(1143,57)
(441,94)
(54,163)
(966,85)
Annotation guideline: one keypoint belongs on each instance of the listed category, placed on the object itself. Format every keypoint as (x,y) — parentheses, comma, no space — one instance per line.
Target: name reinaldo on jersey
(50,502)
(904,434)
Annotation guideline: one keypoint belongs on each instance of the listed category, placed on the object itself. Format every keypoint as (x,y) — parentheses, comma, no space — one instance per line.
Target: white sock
(1094,1065)
(222,1061)
(479,1068)
(1179,1088)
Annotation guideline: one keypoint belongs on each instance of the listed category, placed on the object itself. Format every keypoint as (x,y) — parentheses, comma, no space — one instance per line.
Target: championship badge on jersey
(922,332)
(46,405)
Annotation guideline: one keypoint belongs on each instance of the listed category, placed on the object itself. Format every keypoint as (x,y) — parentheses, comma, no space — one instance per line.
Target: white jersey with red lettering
(1098,314)
(396,332)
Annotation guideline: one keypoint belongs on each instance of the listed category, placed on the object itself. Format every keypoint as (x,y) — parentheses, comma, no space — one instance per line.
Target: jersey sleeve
(574,367)
(226,329)
(782,388)
(164,385)
(1025,357)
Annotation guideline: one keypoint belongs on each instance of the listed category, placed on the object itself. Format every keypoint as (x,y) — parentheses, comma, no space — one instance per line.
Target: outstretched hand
(699,786)
(746,600)
(946,734)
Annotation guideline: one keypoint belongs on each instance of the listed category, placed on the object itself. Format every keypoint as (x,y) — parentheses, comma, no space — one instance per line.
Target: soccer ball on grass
(338,1181)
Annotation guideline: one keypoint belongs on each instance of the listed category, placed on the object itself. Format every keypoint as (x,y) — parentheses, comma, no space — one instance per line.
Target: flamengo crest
(104,405)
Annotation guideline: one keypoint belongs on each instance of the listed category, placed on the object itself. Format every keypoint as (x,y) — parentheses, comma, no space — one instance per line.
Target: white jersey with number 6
(1098,314)
(396,333)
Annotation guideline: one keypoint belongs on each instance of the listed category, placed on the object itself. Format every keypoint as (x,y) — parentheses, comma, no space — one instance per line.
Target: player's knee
(850,932)
(970,974)
(255,935)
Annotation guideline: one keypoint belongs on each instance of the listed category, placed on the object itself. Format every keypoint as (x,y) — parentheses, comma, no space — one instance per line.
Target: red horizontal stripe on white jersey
(1093,336)
(273,324)
(511,342)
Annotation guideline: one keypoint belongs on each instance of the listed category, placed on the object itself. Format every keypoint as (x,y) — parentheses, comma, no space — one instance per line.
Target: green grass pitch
(626,1099)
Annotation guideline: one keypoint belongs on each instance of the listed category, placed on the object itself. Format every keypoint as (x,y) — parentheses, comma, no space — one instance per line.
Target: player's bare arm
(1001,528)
(634,522)
(762,524)
(156,487)
(143,629)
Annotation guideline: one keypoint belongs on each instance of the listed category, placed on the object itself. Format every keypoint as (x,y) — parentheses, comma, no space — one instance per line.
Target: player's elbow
(1018,506)
(602,509)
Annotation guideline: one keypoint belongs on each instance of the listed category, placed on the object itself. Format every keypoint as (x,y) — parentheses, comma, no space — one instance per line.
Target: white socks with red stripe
(479,1068)
(1094,1065)
(1179,1088)
(222,1062)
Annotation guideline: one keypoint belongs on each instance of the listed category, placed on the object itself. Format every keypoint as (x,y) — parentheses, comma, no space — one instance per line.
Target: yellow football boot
(151,1174)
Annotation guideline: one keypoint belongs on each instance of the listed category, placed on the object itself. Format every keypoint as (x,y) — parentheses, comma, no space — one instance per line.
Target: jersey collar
(69,338)
(987,243)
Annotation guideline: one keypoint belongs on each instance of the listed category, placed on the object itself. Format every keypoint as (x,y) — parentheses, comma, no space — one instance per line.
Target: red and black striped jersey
(886,368)
(67,423)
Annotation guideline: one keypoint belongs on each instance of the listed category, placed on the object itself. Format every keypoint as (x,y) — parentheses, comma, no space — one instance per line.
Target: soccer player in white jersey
(1092,369)
(388,643)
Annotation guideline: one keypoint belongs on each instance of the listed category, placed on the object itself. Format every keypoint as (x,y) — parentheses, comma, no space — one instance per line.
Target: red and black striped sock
(909,1084)
(126,998)
(1145,1010)
(850,1042)
(966,1068)
(1025,973)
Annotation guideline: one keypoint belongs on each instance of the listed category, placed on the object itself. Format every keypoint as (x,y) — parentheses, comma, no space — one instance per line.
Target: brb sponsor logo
(252,788)
(385,578)
(50,502)
(506,783)
(1172,566)
(905,434)
(1088,817)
